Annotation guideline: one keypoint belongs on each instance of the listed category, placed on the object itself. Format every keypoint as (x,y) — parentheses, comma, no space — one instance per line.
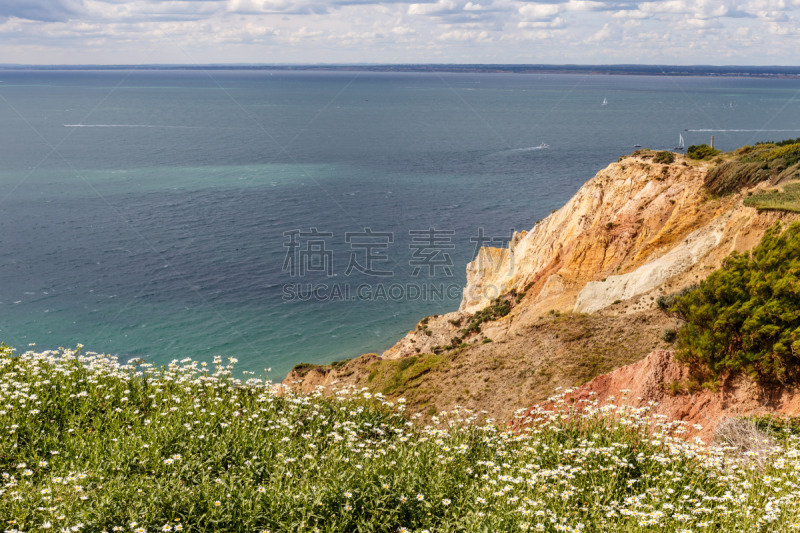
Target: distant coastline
(623,69)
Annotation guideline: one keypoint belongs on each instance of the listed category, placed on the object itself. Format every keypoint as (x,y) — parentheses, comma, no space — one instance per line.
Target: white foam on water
(129,126)
(713,130)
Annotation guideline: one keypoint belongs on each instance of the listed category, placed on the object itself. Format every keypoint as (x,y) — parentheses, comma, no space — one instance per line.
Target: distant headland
(625,69)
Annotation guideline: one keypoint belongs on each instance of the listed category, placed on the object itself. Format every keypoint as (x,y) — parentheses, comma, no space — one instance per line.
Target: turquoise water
(150,213)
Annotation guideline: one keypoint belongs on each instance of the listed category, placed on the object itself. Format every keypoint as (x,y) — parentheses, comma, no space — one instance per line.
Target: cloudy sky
(720,32)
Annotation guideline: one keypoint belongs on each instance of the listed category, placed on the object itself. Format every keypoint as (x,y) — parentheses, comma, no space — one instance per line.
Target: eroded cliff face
(628,212)
(637,230)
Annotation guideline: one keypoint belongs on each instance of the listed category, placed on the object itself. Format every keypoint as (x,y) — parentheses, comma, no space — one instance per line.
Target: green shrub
(664,157)
(777,426)
(746,315)
(340,363)
(499,308)
(669,335)
(789,153)
(701,151)
(406,363)
(304,368)
(665,301)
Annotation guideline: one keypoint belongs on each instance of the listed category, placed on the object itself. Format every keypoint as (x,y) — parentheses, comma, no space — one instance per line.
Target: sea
(280,217)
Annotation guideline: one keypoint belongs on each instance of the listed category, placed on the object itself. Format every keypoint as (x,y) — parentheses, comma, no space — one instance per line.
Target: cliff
(637,230)
(572,298)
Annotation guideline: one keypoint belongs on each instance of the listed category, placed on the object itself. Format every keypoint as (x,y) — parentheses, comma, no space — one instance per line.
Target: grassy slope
(786,198)
(93,446)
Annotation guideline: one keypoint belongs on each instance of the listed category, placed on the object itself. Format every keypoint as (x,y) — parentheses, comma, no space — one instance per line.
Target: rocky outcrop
(306,377)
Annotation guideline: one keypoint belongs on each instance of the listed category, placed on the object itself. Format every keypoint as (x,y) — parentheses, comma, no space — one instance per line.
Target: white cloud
(632,14)
(403,30)
(781,29)
(557,22)
(600,35)
(460,35)
(442,6)
(703,24)
(540,11)
(585,5)
(113,31)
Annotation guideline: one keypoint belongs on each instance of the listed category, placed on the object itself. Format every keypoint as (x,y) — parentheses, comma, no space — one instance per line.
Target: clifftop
(573,297)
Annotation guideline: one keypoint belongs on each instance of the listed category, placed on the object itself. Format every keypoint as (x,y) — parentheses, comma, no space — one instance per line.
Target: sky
(674,32)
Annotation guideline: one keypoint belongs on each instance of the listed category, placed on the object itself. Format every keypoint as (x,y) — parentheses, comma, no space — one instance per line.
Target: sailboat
(680,142)
(605,102)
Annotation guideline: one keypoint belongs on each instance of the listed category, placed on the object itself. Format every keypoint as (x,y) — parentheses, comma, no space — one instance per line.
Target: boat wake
(130,126)
(513,151)
(713,130)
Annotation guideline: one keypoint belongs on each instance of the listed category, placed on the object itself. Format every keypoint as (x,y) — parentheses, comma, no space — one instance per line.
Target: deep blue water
(150,213)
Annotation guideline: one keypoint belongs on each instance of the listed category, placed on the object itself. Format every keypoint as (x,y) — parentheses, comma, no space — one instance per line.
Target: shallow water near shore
(171,214)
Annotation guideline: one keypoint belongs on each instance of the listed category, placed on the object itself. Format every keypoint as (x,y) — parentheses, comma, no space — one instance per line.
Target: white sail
(605,102)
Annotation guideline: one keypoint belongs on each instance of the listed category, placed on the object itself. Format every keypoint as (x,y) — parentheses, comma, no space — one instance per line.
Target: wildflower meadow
(90,444)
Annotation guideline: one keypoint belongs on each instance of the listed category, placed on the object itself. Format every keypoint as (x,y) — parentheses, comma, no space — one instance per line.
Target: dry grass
(745,437)
(785,199)
(518,370)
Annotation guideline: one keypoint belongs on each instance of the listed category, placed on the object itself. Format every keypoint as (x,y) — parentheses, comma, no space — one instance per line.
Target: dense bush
(784,142)
(664,157)
(701,151)
(746,315)
(499,308)
(669,335)
(789,153)
(665,301)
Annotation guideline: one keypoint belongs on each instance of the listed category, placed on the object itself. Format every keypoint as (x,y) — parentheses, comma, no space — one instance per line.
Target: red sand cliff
(648,381)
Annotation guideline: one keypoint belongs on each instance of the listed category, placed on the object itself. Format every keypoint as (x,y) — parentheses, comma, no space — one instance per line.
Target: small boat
(637,145)
(544,145)
(680,142)
(605,102)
